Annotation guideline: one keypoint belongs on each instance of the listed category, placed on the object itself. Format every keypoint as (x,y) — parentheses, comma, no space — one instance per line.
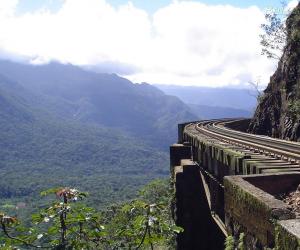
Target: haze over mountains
(210,103)
(215,112)
(104,99)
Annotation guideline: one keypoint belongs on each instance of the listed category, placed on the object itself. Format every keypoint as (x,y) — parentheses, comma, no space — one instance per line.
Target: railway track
(219,151)
(261,145)
(280,149)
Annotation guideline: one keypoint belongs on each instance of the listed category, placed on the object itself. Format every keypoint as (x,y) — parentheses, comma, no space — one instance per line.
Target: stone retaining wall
(218,185)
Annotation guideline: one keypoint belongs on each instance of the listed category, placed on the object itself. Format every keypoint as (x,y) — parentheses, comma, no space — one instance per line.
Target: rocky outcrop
(278,111)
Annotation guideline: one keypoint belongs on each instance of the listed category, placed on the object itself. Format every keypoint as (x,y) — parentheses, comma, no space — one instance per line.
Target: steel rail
(263,142)
(292,146)
(267,145)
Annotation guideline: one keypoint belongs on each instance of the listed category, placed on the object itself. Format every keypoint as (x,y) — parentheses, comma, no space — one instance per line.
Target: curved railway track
(219,151)
(281,149)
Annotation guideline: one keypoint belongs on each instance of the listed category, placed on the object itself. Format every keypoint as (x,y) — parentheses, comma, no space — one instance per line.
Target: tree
(67,223)
(256,86)
(273,39)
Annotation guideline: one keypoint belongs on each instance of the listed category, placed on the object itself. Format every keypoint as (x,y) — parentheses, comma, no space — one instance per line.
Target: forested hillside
(51,136)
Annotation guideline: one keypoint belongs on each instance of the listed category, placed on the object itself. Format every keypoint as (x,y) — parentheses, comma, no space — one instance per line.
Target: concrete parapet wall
(287,235)
(222,187)
(216,158)
(252,210)
(177,153)
(192,212)
(277,183)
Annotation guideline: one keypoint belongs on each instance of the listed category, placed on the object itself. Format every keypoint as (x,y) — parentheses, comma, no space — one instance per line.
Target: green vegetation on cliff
(278,111)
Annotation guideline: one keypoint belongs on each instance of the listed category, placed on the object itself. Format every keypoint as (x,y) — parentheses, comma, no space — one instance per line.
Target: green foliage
(229,243)
(294,109)
(157,191)
(69,224)
(293,26)
(241,243)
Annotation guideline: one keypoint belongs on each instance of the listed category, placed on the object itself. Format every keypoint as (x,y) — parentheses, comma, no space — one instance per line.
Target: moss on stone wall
(285,240)
(250,212)
(241,196)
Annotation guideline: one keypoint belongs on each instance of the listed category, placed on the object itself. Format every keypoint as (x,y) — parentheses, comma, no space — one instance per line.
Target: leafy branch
(6,221)
(69,224)
(273,39)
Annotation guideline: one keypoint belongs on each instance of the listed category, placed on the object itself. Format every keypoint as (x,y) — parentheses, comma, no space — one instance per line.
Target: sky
(184,42)
(148,5)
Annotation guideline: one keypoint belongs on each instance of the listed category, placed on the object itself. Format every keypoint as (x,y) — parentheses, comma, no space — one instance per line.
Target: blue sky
(149,5)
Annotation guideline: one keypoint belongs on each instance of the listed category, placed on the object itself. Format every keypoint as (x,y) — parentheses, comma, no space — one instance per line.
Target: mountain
(61,125)
(39,151)
(278,112)
(211,112)
(140,110)
(238,99)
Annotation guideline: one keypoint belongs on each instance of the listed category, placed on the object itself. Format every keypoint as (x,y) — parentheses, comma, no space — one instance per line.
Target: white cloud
(184,43)
(7,7)
(291,5)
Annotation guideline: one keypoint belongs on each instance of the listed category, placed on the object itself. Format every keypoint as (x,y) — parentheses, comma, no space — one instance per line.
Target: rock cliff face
(278,112)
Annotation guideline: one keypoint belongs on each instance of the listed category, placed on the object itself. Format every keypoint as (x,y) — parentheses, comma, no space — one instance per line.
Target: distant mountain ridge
(61,125)
(211,112)
(223,97)
(106,99)
(39,151)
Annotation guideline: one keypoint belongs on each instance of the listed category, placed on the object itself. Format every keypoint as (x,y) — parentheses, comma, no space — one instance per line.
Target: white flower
(152,207)
(46,219)
(39,236)
(151,220)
